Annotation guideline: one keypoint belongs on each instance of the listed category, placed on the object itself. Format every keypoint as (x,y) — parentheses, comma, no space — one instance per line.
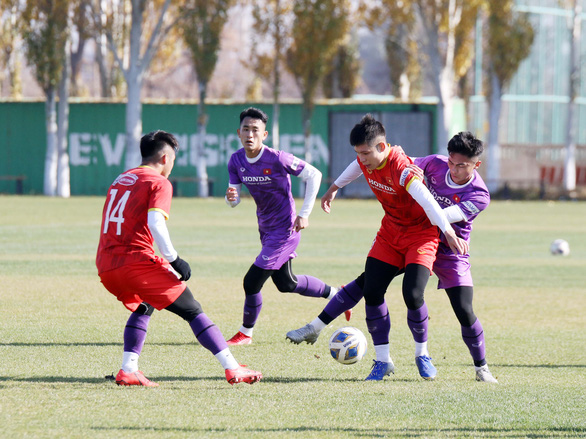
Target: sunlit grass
(61,332)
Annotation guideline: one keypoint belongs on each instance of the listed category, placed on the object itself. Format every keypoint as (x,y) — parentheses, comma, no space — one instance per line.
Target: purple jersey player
(460,191)
(266,174)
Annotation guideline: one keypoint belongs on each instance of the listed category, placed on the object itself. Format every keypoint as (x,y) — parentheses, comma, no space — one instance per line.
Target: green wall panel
(97,134)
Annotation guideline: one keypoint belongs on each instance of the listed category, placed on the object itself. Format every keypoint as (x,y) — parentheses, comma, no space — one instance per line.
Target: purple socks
(378,323)
(309,286)
(473,336)
(135,332)
(252,307)
(344,299)
(208,334)
(417,322)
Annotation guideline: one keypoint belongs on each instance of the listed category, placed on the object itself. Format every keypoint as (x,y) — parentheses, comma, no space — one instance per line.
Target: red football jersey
(125,237)
(389,184)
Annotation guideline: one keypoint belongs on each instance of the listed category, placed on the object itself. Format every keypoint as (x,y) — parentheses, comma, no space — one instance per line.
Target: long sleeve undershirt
(312,178)
(158,228)
(416,189)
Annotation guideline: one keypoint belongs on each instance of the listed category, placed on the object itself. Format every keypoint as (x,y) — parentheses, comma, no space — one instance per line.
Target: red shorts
(150,281)
(401,248)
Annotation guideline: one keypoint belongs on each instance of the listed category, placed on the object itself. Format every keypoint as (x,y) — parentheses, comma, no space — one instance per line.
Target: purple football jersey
(269,183)
(472,197)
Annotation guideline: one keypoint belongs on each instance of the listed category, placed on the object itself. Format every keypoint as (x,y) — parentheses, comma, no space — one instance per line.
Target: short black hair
(467,144)
(254,113)
(368,130)
(153,143)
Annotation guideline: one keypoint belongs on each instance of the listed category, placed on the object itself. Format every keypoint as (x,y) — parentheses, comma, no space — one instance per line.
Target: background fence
(97,140)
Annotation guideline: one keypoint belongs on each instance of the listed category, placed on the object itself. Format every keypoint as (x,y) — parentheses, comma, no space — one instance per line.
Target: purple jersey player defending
(460,191)
(266,174)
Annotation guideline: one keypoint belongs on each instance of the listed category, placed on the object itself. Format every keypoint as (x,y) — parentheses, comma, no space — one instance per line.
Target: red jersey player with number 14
(137,205)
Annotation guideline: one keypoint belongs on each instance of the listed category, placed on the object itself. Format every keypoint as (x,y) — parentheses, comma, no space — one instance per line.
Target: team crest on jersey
(389,180)
(126,179)
(456,198)
(267,171)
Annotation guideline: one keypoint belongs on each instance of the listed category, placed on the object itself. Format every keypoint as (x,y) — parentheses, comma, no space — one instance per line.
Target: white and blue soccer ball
(560,247)
(348,345)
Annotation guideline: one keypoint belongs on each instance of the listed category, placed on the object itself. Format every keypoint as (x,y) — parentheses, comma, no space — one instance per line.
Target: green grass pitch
(61,332)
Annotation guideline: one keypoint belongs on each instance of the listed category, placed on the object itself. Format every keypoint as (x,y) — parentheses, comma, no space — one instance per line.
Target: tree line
(426,41)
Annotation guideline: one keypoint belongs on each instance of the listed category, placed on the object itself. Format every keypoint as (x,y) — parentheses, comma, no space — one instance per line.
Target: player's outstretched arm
(328,197)
(453,213)
(457,245)
(351,173)
(158,228)
(436,215)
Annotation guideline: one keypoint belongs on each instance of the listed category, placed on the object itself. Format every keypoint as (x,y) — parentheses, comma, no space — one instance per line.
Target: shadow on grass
(546,432)
(547,366)
(53,379)
(168,379)
(92,344)
(107,379)
(359,379)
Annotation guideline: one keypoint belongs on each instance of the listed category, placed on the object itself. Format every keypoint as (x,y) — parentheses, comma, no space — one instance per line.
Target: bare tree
(437,34)
(46,33)
(318,31)
(201,27)
(9,44)
(574,82)
(441,25)
(343,75)
(135,66)
(270,25)
(81,19)
(509,39)
(397,21)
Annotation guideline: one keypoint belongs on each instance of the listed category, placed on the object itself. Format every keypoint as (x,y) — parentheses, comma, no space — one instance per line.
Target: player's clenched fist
(231,194)
(181,267)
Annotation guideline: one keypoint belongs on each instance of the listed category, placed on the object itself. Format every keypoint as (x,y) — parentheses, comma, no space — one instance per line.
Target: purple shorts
(277,249)
(452,271)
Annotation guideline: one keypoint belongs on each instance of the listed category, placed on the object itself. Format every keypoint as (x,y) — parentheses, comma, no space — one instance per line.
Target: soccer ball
(560,247)
(348,345)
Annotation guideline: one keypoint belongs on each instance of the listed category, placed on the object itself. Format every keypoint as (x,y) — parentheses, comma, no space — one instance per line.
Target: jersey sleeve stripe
(411,180)
(156,209)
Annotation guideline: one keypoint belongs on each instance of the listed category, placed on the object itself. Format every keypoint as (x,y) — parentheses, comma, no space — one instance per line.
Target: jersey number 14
(115,215)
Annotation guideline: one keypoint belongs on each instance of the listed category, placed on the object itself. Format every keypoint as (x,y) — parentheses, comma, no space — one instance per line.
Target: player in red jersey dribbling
(406,240)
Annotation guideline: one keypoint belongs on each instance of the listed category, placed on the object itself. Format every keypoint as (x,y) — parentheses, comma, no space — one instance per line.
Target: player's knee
(193,311)
(250,286)
(254,280)
(190,311)
(466,316)
(285,285)
(374,298)
(145,309)
(186,306)
(414,303)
